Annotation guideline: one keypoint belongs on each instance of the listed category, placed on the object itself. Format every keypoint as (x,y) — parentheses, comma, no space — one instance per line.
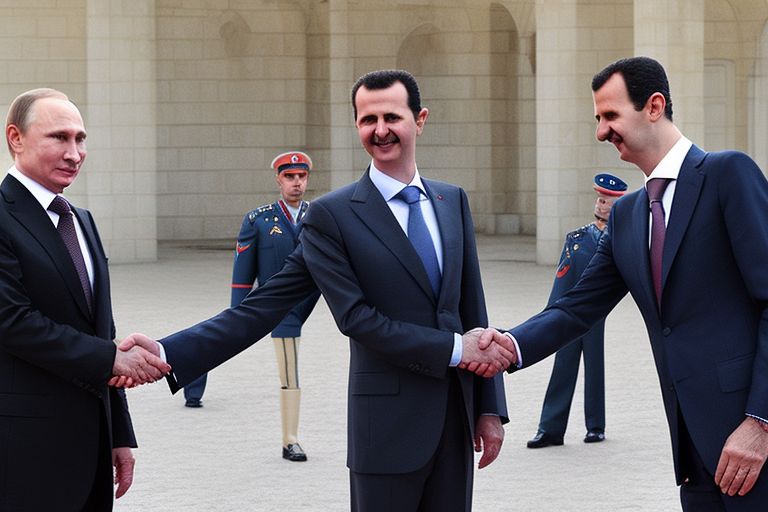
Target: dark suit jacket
(710,339)
(401,336)
(55,360)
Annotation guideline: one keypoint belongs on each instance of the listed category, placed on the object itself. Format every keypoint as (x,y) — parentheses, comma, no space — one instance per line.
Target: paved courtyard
(226,456)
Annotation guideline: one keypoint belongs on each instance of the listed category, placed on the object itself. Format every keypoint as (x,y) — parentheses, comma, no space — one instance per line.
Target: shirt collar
(670,165)
(389,187)
(42,194)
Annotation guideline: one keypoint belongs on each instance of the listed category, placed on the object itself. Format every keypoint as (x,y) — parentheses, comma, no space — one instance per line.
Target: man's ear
(421,119)
(14,137)
(655,106)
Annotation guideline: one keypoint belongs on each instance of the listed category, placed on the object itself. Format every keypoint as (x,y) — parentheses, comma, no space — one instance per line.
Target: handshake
(487,352)
(137,361)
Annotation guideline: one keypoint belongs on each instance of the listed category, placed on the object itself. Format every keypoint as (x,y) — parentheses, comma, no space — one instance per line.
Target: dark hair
(643,76)
(384,78)
(20,112)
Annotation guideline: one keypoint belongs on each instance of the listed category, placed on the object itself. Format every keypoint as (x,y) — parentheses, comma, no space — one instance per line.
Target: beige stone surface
(226,456)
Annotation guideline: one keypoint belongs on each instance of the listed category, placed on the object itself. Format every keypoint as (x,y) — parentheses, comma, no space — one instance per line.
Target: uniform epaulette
(258,211)
(578,233)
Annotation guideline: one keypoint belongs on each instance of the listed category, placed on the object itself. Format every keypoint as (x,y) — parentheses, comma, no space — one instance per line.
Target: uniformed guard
(580,245)
(268,235)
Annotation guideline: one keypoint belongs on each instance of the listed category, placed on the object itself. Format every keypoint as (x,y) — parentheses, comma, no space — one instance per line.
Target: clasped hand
(137,361)
(487,352)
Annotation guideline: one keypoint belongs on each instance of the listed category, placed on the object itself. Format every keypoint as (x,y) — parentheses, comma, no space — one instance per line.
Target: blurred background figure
(580,245)
(268,235)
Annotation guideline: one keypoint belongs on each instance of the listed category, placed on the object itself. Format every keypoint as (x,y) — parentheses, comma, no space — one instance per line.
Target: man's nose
(381,128)
(603,131)
(73,153)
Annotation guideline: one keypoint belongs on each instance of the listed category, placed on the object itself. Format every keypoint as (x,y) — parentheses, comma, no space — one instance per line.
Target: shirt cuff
(762,421)
(458,351)
(519,362)
(162,352)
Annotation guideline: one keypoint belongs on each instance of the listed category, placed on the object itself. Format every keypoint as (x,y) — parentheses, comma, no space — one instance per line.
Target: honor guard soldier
(268,235)
(580,246)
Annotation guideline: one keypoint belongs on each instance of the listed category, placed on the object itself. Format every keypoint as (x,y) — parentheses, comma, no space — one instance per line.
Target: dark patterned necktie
(66,229)
(418,234)
(655,188)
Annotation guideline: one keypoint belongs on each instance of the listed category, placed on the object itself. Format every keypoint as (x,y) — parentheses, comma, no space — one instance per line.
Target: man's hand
(123,462)
(137,361)
(486,352)
(742,458)
(489,435)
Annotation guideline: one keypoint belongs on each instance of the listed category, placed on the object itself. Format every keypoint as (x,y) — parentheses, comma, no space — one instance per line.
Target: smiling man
(394,256)
(691,248)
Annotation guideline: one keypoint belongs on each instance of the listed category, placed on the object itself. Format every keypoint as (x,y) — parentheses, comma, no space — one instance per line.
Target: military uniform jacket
(266,238)
(580,245)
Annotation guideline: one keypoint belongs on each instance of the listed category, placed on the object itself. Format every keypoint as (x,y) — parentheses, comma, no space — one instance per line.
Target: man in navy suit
(580,245)
(62,429)
(704,303)
(401,277)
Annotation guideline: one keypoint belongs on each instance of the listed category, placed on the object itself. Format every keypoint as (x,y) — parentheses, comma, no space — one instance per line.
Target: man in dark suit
(62,429)
(580,245)
(402,279)
(702,288)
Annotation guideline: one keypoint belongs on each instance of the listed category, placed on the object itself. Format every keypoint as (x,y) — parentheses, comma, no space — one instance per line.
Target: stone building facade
(187,101)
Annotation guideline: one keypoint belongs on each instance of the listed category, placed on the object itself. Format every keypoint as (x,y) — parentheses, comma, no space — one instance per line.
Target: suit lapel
(98,258)
(373,211)
(449,223)
(25,208)
(687,190)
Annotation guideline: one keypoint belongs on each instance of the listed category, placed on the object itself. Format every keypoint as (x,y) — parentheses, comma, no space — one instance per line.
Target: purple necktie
(66,229)
(655,188)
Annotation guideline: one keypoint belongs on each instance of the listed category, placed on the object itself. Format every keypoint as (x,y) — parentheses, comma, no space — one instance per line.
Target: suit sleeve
(122,427)
(29,335)
(245,266)
(305,307)
(743,192)
(202,347)
(597,292)
(400,343)
(490,395)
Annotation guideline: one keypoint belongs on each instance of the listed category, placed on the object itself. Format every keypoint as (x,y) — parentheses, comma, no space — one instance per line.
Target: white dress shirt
(45,197)
(669,168)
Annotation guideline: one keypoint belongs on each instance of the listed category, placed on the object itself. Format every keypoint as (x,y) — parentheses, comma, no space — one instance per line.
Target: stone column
(120,186)
(562,124)
(345,159)
(672,32)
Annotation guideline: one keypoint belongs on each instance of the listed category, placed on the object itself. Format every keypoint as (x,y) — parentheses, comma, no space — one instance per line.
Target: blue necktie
(418,234)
